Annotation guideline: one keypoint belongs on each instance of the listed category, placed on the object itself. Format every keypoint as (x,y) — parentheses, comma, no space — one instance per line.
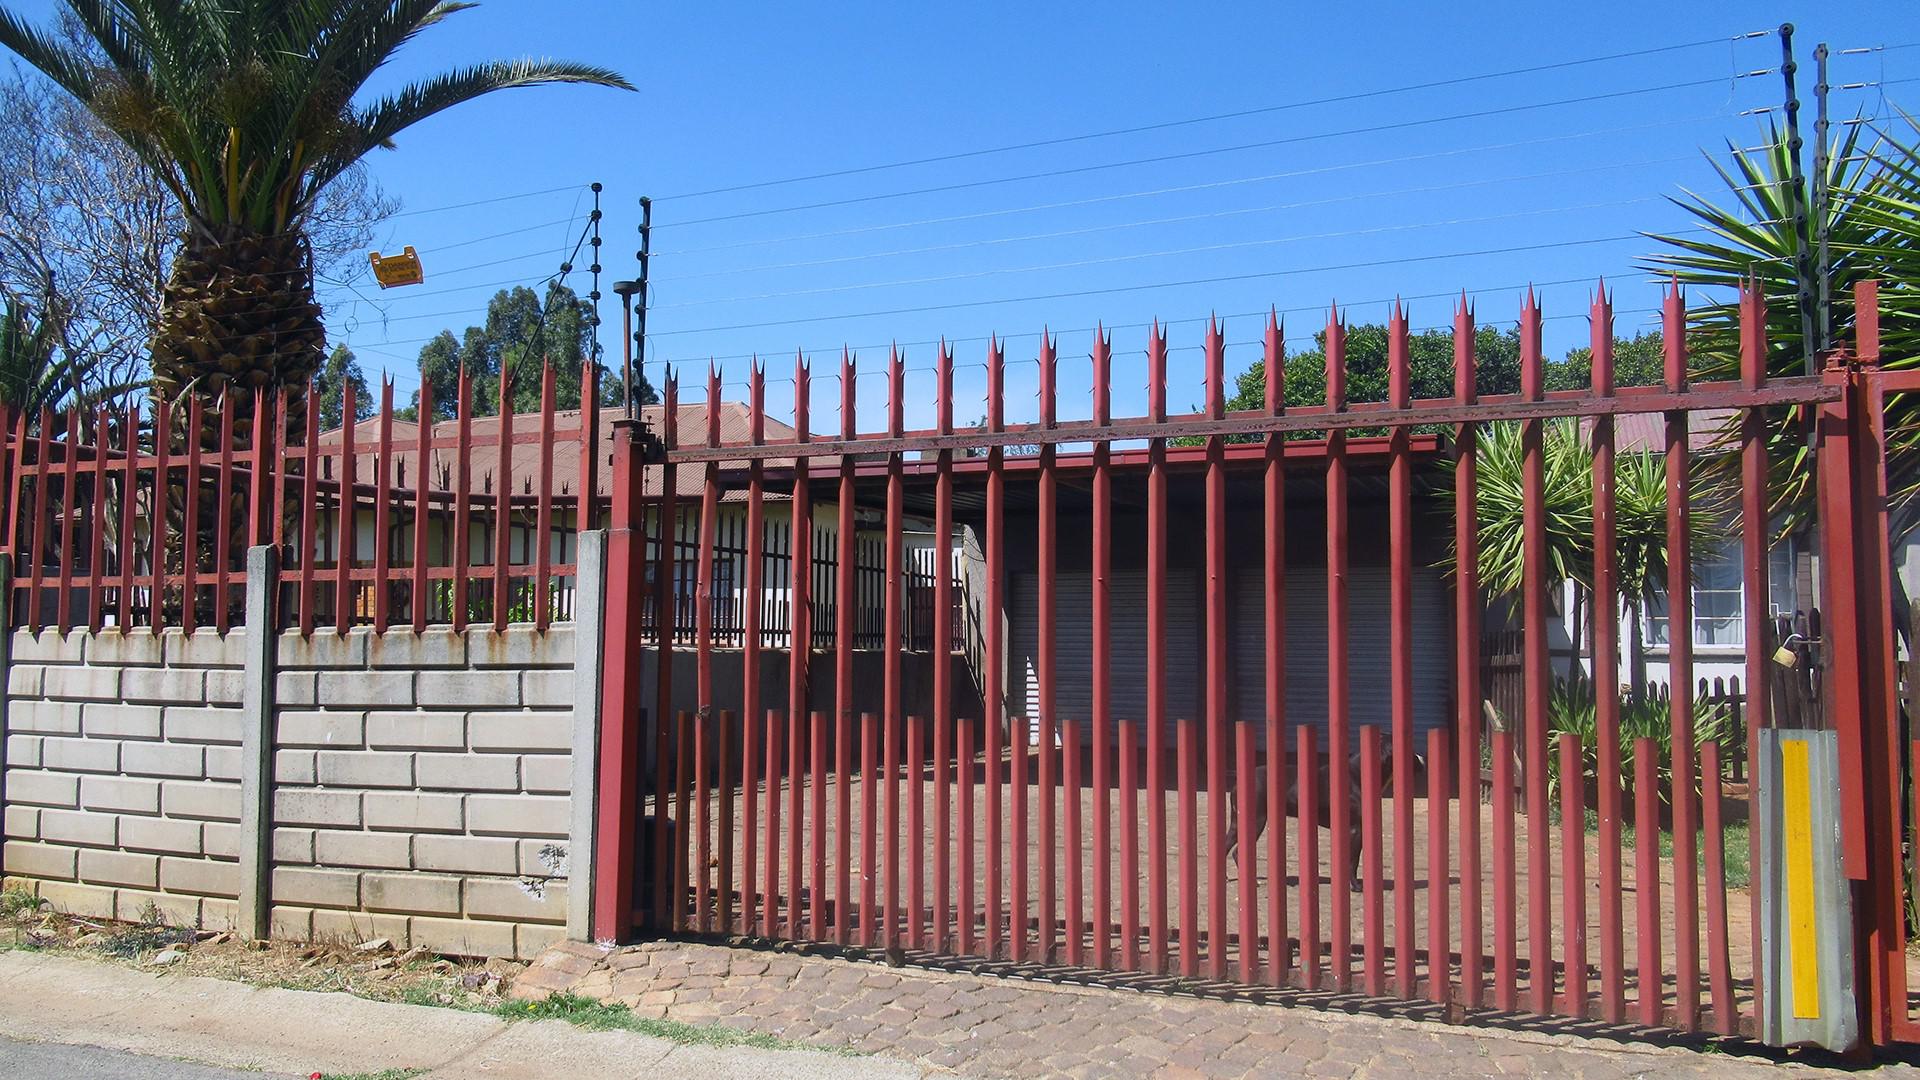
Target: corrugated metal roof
(1708,431)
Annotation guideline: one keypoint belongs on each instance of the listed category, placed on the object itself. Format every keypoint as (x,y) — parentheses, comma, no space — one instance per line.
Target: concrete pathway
(56,1061)
(995,1025)
(59,1000)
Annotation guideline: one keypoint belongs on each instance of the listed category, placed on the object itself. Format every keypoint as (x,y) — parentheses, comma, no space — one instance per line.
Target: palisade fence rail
(1183,841)
(141,515)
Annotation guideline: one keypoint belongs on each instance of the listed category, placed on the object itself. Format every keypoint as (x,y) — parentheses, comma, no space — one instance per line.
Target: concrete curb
(46,998)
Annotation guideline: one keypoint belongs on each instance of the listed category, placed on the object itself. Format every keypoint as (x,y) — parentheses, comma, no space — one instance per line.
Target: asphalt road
(55,1061)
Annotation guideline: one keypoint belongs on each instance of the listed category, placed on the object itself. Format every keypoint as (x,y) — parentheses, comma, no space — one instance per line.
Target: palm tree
(246,111)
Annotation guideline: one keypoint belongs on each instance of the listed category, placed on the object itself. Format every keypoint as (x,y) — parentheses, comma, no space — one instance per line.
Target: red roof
(736,425)
(1708,431)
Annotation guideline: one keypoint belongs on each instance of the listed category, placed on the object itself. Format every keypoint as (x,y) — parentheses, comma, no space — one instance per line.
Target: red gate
(1173,828)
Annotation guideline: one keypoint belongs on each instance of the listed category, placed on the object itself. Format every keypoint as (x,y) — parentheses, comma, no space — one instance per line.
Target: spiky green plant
(37,372)
(1640,511)
(1640,519)
(246,110)
(1571,708)
(1753,230)
(32,378)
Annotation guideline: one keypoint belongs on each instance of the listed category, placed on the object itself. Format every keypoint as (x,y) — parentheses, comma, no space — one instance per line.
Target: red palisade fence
(1017,785)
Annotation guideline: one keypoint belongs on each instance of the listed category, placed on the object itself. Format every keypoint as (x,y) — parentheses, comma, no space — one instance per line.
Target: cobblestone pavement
(994,1025)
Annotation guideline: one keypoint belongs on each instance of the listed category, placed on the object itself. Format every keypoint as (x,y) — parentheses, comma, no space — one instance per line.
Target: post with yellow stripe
(1805,907)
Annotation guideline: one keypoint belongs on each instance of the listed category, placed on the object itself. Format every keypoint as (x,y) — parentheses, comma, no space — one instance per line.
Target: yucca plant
(1572,708)
(246,111)
(38,372)
(1640,520)
(32,377)
(1750,232)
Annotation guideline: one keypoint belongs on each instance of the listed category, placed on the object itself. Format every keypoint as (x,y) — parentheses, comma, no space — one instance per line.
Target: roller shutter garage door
(1073,625)
(1306,629)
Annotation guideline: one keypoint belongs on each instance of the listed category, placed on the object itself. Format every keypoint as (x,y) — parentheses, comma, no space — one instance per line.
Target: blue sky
(1484,184)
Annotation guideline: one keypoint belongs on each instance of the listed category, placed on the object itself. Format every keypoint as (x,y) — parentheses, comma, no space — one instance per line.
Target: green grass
(595,1016)
(15,901)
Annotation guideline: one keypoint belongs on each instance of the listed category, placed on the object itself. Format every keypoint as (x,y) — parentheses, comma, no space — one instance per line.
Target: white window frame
(1653,618)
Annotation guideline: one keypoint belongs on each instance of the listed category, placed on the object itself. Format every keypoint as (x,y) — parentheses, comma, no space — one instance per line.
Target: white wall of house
(1719,608)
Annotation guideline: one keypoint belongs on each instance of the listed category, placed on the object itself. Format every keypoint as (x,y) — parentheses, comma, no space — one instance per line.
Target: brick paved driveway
(990,1025)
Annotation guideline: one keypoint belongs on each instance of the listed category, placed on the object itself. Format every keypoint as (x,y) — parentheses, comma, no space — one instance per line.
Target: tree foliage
(1637,362)
(246,112)
(1566,517)
(1430,354)
(340,370)
(521,331)
(245,109)
(1640,360)
(84,222)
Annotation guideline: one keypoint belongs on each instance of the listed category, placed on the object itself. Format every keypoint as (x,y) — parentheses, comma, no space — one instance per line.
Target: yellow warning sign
(1796,809)
(401,269)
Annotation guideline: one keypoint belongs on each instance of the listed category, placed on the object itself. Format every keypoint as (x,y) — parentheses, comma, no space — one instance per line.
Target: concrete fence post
(256,744)
(589,658)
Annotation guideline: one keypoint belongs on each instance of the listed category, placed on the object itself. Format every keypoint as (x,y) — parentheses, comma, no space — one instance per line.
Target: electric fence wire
(1233,115)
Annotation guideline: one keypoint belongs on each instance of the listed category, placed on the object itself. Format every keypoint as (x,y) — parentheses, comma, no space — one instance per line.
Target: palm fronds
(246,108)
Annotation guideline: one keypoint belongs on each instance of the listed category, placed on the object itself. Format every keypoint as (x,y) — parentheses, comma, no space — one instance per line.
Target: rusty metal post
(1156,871)
(1101,658)
(1686,886)
(943,748)
(1216,667)
(994,663)
(1274,493)
(1400,648)
(1754,535)
(1606,678)
(1538,676)
(616,834)
(1339,710)
(846,576)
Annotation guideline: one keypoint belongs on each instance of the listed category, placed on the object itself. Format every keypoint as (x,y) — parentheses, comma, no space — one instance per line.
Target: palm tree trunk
(238,317)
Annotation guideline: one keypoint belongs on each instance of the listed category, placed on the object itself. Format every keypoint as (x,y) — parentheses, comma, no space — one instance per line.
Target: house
(1306,591)
(1718,632)
(564,458)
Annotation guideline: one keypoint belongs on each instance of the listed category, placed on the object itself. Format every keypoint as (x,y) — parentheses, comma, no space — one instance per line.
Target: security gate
(900,793)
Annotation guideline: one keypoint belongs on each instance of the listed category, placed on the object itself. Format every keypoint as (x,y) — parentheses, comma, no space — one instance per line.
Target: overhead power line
(1186,155)
(1195,319)
(1212,215)
(1165,125)
(1200,186)
(1075,293)
(487,202)
(1135,256)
